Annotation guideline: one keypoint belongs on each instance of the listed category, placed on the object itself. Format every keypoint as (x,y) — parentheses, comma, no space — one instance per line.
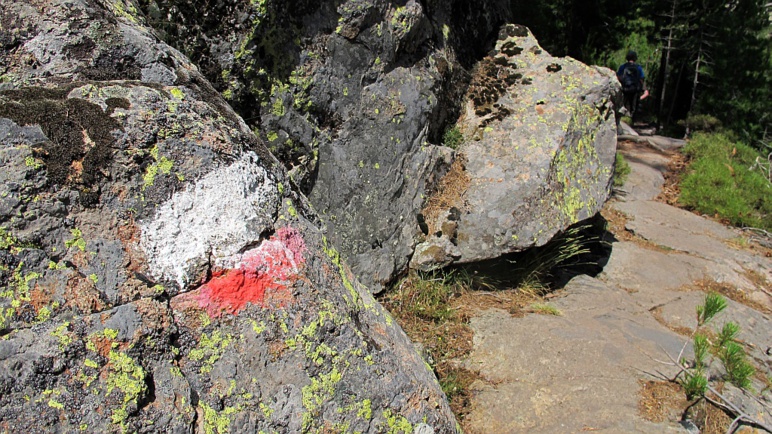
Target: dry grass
(660,401)
(709,418)
(434,310)
(617,222)
(730,292)
(656,312)
(670,190)
(449,193)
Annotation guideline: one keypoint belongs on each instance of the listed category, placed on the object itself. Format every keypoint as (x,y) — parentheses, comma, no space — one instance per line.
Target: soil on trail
(598,365)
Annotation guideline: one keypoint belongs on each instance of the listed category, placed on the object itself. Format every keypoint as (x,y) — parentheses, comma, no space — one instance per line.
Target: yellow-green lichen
(397,423)
(278,107)
(7,241)
(17,292)
(258,328)
(175,371)
(177,93)
(33,162)
(446,31)
(44,314)
(267,411)
(209,350)
(76,240)
(126,375)
(61,333)
(162,165)
(215,422)
(291,210)
(335,257)
(315,394)
(125,10)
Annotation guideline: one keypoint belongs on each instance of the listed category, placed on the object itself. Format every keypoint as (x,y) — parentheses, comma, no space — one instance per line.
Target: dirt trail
(585,370)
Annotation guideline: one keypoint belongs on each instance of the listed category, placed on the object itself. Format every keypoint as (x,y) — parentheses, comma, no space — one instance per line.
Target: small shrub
(738,370)
(621,170)
(713,305)
(731,355)
(718,182)
(705,123)
(453,138)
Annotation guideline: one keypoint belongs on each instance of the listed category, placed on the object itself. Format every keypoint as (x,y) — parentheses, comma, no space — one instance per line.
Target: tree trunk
(664,67)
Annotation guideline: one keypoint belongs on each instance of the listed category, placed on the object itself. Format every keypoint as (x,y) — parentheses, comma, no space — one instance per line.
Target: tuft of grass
(719,182)
(534,268)
(426,306)
(452,137)
(427,295)
(545,309)
(621,170)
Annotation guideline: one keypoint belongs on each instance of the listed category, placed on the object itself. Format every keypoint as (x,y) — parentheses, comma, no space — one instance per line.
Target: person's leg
(628,103)
(634,100)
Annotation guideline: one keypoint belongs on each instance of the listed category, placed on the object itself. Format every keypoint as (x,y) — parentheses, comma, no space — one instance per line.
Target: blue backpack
(631,79)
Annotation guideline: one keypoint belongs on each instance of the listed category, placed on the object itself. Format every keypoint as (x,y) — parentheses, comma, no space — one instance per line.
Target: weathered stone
(351,96)
(434,254)
(539,148)
(158,271)
(584,363)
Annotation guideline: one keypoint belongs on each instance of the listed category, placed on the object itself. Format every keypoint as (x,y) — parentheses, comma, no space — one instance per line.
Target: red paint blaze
(262,275)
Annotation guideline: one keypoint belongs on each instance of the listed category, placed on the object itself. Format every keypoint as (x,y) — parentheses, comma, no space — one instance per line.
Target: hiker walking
(630,74)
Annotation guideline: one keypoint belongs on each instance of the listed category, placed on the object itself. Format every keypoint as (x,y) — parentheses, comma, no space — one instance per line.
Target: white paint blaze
(211,220)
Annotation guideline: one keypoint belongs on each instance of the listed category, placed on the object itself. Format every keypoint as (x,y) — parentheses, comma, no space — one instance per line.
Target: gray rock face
(158,271)
(351,96)
(539,149)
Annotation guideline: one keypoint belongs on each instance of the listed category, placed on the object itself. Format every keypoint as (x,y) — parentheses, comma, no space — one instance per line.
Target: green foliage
(732,356)
(719,182)
(636,36)
(452,138)
(728,334)
(713,305)
(701,350)
(738,370)
(701,122)
(695,384)
(428,295)
(621,170)
(451,385)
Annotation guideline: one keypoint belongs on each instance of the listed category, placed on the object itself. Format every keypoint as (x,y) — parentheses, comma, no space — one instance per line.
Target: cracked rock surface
(594,360)
(158,271)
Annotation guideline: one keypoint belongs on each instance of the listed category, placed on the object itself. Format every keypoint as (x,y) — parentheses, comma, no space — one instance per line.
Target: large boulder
(158,272)
(352,96)
(538,154)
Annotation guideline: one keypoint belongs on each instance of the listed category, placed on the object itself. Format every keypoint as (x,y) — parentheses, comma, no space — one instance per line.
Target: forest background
(705,60)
